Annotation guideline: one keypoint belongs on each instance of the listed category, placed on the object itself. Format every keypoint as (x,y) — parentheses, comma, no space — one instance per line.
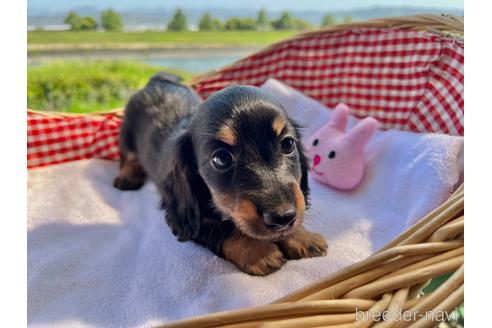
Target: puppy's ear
(304,165)
(180,191)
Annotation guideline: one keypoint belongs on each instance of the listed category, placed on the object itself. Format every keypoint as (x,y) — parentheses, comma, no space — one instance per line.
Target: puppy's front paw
(302,244)
(256,257)
(270,261)
(127,183)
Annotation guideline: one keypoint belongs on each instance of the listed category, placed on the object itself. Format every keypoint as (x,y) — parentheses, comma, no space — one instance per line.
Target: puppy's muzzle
(281,218)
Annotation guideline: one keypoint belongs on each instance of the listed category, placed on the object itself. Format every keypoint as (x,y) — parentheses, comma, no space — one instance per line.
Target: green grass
(94,39)
(93,86)
(460,310)
(82,87)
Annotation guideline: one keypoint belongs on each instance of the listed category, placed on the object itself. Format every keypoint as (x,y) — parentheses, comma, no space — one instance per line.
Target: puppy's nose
(316,159)
(280,219)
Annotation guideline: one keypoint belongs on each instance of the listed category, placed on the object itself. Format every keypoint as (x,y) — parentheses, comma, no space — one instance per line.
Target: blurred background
(88,55)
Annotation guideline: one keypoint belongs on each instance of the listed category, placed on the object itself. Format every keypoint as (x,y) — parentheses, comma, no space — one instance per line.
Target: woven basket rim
(390,279)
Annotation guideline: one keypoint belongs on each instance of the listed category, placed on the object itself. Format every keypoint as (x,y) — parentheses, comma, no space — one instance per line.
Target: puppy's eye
(288,145)
(332,154)
(221,159)
(315,142)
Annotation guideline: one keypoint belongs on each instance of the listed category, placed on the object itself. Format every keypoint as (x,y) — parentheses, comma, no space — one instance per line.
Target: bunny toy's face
(337,157)
(334,163)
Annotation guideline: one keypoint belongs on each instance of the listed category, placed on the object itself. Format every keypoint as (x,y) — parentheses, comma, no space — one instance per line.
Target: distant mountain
(159,16)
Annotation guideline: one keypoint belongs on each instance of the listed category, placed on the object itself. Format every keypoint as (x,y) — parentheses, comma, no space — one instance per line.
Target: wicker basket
(391,279)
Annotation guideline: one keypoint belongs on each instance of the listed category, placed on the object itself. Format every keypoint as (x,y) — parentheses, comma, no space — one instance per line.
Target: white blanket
(101,257)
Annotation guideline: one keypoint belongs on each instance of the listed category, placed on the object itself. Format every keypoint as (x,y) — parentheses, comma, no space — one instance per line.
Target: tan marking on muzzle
(299,200)
(241,209)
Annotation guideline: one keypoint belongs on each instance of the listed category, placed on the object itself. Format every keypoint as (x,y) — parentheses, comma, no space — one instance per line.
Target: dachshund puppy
(231,171)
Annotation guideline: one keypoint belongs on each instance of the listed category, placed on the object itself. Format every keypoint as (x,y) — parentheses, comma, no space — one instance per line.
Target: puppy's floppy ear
(181,190)
(304,165)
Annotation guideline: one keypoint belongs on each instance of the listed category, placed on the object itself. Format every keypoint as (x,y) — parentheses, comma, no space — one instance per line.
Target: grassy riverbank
(53,40)
(82,87)
(86,86)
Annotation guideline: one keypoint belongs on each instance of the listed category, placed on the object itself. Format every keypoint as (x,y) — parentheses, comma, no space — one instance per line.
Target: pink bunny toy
(337,156)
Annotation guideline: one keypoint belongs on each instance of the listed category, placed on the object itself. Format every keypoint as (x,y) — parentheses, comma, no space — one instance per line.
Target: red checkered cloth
(52,140)
(409,80)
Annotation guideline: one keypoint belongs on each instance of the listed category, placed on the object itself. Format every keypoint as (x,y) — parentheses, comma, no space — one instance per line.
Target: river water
(193,60)
(194,65)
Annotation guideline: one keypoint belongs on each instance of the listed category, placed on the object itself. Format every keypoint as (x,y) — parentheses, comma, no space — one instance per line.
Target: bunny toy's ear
(339,117)
(362,132)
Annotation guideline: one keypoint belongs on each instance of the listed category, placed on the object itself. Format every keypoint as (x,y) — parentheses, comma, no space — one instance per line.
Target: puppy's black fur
(231,170)
(153,118)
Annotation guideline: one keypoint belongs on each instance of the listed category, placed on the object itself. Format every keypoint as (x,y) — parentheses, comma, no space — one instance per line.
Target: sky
(56,5)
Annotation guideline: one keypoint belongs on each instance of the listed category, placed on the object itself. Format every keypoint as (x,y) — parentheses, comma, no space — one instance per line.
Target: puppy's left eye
(288,145)
(221,159)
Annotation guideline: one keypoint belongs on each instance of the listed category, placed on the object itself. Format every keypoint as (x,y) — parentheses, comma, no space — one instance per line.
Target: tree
(240,24)
(262,22)
(285,22)
(347,19)
(74,20)
(217,24)
(207,23)
(231,24)
(178,22)
(328,20)
(111,20)
(78,23)
(300,24)
(88,23)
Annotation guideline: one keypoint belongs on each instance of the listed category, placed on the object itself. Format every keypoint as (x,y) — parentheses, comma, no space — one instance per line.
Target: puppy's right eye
(221,159)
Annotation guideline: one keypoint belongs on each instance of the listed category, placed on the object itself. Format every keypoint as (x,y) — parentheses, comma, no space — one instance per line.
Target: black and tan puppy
(231,171)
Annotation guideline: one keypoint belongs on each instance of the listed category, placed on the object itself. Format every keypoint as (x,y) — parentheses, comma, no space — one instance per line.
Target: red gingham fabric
(52,140)
(408,80)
